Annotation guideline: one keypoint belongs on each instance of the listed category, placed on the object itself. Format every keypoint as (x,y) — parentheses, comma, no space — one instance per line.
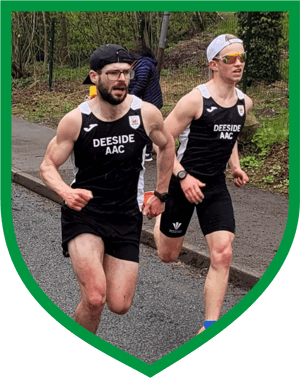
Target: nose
(122,76)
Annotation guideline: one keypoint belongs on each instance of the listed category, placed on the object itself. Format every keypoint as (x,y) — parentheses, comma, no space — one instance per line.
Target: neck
(219,88)
(108,112)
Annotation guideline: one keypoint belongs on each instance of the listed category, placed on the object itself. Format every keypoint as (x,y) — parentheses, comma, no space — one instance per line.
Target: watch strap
(161,196)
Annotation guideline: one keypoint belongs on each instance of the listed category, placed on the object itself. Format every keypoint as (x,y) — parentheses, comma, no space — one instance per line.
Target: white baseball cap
(219,43)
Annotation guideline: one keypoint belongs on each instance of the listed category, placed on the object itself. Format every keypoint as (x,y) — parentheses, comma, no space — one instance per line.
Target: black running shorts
(120,233)
(215,212)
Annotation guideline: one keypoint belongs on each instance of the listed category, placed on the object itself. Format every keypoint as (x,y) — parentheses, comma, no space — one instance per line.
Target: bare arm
(240,176)
(156,131)
(188,108)
(58,151)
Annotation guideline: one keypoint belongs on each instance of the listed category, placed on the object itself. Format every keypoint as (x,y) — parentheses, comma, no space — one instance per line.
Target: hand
(76,199)
(191,188)
(240,177)
(153,207)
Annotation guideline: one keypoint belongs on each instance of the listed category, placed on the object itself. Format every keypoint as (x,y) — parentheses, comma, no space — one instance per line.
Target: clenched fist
(76,199)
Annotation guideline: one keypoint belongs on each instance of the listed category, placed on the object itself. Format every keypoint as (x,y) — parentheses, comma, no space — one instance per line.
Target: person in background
(145,84)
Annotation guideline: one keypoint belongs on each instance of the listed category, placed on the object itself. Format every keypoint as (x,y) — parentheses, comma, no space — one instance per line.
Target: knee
(169,250)
(119,307)
(95,300)
(166,256)
(221,254)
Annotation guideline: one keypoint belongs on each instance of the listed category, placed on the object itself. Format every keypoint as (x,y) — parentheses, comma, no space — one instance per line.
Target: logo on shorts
(134,121)
(241,110)
(176,230)
(177,225)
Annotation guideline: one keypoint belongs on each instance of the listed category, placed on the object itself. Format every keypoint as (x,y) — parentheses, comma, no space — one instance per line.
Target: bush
(261,33)
(272,130)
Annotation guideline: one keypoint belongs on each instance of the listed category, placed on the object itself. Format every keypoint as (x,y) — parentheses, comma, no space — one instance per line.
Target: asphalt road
(168,306)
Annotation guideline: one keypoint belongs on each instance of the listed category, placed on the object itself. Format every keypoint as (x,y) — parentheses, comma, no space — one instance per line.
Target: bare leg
(86,252)
(220,248)
(168,248)
(121,276)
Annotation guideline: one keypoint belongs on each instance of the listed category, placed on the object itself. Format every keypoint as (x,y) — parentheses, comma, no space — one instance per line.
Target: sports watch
(162,196)
(181,175)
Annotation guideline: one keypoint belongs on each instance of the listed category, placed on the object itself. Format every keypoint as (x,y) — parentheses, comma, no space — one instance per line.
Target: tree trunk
(45,40)
(51,52)
(162,40)
(63,39)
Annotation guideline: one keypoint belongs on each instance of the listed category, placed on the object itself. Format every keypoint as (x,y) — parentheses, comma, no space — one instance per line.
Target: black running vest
(207,143)
(108,159)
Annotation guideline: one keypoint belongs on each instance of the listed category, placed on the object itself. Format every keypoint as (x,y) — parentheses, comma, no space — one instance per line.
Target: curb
(189,255)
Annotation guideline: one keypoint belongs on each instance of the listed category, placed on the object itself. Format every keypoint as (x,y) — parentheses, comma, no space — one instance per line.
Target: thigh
(87,253)
(121,277)
(169,248)
(216,212)
(122,239)
(177,215)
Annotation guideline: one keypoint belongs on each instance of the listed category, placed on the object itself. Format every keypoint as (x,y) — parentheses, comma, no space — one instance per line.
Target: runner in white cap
(208,121)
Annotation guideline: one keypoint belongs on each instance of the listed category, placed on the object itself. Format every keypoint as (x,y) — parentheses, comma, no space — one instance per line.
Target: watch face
(182,174)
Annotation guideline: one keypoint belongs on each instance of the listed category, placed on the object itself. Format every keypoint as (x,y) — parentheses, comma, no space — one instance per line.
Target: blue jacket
(145,84)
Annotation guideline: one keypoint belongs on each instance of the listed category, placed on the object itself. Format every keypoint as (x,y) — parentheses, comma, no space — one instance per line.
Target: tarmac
(29,143)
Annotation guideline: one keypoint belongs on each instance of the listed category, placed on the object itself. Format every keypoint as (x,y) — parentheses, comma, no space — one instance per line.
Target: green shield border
(219,330)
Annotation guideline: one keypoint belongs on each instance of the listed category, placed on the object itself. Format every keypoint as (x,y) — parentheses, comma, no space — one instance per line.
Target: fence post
(162,40)
(51,52)
(247,48)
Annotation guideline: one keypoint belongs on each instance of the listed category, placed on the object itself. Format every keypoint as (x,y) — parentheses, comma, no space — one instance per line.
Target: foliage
(274,130)
(265,158)
(261,32)
(250,162)
(227,24)
(78,34)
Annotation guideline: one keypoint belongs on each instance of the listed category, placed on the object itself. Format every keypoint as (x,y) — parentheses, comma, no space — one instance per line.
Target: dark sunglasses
(231,58)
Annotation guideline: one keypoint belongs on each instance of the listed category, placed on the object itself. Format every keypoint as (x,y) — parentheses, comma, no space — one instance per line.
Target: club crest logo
(134,121)
(241,110)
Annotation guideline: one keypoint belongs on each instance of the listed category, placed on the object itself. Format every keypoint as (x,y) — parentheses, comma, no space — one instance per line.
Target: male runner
(101,217)
(207,121)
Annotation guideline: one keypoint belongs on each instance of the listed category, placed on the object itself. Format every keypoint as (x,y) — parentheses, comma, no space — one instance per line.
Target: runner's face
(114,92)
(231,72)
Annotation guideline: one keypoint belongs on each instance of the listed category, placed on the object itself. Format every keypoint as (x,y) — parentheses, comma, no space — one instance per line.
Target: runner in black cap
(101,218)
(208,121)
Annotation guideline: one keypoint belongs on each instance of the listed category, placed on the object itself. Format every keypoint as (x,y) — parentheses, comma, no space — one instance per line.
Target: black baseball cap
(107,54)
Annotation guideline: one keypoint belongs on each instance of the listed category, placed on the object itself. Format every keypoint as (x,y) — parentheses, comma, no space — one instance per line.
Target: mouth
(238,71)
(119,89)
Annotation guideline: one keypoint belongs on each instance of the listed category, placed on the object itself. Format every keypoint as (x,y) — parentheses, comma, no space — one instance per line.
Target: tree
(261,32)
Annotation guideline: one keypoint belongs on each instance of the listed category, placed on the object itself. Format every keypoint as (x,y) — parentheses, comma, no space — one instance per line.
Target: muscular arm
(156,131)
(58,151)
(240,177)
(188,108)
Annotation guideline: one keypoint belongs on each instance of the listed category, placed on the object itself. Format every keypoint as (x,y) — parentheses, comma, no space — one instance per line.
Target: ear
(93,76)
(213,65)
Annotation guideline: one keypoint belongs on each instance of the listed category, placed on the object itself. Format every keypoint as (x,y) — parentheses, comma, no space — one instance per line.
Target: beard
(108,97)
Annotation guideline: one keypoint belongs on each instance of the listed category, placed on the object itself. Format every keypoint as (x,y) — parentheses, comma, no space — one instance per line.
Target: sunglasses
(231,58)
